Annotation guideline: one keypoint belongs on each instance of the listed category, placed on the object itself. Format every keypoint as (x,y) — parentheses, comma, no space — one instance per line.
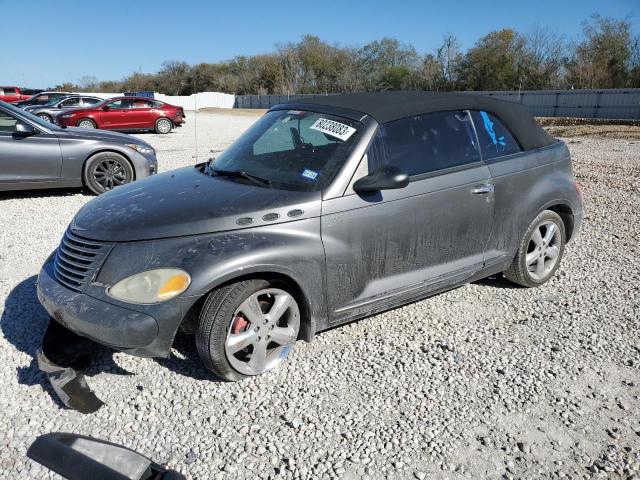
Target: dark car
(49,111)
(324,211)
(126,114)
(37,154)
(41,98)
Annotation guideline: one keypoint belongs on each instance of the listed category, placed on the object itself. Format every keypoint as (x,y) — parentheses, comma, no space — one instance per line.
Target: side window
(425,143)
(89,102)
(120,104)
(141,104)
(71,102)
(495,139)
(7,122)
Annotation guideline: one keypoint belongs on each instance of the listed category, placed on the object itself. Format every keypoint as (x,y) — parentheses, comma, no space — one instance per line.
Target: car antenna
(195,115)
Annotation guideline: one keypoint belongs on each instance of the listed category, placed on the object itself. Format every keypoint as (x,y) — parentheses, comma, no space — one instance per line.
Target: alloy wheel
(86,124)
(543,250)
(262,331)
(164,126)
(45,117)
(110,173)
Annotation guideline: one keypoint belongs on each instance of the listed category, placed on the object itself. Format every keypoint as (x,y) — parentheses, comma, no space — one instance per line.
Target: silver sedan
(49,111)
(38,154)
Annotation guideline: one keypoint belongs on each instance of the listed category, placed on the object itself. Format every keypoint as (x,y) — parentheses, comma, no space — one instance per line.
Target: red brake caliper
(239,324)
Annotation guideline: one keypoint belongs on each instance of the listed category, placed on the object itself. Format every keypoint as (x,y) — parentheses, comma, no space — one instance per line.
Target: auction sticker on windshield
(335,129)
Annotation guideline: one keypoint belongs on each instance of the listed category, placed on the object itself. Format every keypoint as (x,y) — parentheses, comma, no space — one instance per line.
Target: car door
(116,116)
(23,159)
(141,115)
(388,247)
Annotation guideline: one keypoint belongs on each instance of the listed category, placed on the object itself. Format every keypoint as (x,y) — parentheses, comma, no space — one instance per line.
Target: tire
(163,126)
(86,123)
(107,170)
(235,344)
(46,117)
(539,252)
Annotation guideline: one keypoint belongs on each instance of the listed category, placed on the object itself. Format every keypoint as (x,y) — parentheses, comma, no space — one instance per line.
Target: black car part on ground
(64,354)
(76,457)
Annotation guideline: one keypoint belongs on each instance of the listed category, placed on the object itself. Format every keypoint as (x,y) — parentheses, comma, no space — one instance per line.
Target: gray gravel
(485,381)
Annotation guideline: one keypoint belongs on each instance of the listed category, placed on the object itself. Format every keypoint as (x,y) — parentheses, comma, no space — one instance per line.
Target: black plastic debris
(63,356)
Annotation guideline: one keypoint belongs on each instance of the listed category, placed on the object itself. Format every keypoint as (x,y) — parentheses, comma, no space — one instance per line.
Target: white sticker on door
(335,129)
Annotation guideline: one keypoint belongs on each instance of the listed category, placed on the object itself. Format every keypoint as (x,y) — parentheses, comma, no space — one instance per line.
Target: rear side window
(425,143)
(87,102)
(495,139)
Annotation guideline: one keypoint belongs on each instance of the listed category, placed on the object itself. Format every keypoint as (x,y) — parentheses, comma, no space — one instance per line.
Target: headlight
(66,115)
(140,148)
(152,286)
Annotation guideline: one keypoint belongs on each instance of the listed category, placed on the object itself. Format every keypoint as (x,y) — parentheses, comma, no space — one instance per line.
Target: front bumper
(146,334)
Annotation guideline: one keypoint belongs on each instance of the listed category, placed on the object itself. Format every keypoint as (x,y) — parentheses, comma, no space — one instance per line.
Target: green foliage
(606,56)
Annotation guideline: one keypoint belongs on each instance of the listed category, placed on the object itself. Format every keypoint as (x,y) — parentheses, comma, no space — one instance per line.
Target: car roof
(390,106)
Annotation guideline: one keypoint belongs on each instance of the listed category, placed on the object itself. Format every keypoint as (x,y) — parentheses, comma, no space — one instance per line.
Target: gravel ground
(485,381)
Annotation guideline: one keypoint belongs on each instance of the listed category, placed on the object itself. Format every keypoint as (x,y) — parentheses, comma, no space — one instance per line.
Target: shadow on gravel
(187,362)
(23,324)
(496,281)
(48,192)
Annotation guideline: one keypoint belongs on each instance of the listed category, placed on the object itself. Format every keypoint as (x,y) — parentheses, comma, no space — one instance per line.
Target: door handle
(482,189)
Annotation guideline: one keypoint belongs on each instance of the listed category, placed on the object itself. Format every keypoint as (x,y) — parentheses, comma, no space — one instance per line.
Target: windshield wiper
(241,174)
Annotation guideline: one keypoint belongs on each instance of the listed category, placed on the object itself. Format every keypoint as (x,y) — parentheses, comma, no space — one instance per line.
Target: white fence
(188,102)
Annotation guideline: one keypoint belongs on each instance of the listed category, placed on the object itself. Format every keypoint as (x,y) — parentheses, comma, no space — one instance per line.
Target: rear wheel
(539,252)
(87,123)
(46,117)
(107,170)
(247,328)
(164,125)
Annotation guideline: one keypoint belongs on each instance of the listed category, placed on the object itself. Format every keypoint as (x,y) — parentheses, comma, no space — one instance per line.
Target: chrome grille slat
(77,260)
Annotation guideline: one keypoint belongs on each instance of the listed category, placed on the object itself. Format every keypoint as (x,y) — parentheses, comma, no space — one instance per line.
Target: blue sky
(58,41)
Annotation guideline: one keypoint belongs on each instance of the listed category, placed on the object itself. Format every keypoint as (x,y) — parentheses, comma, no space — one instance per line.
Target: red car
(12,94)
(125,113)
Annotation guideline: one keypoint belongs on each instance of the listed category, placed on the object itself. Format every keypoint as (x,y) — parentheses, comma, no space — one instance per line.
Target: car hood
(188,202)
(94,133)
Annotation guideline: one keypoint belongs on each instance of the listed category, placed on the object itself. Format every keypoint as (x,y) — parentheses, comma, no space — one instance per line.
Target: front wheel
(164,125)
(539,252)
(247,328)
(107,170)
(87,123)
(47,118)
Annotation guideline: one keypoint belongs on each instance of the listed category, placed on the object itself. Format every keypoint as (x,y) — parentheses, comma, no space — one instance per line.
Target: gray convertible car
(325,211)
(49,111)
(39,154)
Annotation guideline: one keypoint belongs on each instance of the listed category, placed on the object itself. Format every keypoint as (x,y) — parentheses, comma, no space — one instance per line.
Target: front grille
(78,259)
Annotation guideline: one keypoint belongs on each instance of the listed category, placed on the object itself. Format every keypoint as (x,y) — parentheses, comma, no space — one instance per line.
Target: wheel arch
(563,209)
(307,325)
(106,150)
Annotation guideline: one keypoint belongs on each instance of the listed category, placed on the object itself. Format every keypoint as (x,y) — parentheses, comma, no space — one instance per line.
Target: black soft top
(389,106)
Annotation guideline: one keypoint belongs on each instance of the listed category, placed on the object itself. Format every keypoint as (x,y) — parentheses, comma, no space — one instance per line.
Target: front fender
(293,249)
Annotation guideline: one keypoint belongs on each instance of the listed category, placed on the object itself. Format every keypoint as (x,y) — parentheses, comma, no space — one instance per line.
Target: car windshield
(32,118)
(290,149)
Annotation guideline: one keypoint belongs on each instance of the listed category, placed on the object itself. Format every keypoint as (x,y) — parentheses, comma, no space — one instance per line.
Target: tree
(386,64)
(495,62)
(88,83)
(449,57)
(544,59)
(602,59)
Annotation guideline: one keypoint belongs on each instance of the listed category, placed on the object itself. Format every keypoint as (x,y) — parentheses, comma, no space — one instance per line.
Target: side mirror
(387,177)
(105,108)
(25,129)
(76,457)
